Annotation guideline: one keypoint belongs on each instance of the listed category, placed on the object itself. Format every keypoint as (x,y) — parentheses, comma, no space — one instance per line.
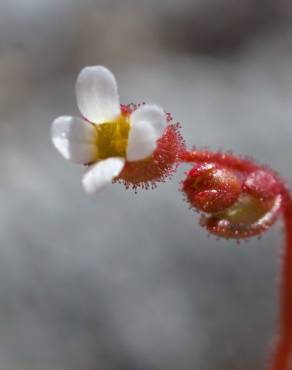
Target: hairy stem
(227,160)
(283,351)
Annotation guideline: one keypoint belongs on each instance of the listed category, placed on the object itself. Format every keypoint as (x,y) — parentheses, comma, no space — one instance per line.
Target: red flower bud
(261,184)
(211,188)
(241,198)
(247,217)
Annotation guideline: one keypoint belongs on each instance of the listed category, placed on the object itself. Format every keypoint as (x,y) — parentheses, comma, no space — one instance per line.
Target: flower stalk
(283,352)
(263,184)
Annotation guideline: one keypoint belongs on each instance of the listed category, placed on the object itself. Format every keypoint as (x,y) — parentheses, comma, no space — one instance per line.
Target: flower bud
(261,184)
(248,217)
(211,188)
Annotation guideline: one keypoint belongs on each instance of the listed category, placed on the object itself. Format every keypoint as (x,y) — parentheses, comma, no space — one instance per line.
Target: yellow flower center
(112,137)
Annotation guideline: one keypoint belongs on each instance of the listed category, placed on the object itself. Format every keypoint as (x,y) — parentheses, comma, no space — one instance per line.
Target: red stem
(283,351)
(226,160)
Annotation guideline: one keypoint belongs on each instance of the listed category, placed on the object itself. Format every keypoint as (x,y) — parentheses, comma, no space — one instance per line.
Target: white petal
(102,173)
(142,141)
(147,126)
(75,139)
(97,94)
(152,114)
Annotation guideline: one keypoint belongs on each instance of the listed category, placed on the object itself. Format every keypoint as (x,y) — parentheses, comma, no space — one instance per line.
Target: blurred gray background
(125,281)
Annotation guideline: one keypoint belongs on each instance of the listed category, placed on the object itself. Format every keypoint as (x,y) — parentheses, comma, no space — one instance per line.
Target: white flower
(106,137)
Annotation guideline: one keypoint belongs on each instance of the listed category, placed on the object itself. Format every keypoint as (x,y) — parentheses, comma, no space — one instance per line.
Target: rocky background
(120,281)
